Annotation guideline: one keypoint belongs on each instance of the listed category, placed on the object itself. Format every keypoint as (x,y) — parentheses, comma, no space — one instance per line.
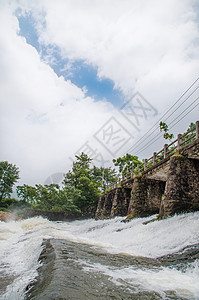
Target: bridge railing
(177,145)
(167,151)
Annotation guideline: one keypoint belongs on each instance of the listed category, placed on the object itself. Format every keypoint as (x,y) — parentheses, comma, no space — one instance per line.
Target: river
(104,259)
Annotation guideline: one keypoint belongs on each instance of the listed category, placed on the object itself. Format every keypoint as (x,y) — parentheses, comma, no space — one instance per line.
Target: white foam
(160,279)
(20,251)
(20,246)
(155,239)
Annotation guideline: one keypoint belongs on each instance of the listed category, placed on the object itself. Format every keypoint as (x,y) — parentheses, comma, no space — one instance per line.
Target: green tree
(81,168)
(28,194)
(126,163)
(9,174)
(39,196)
(189,135)
(164,127)
(49,198)
(104,176)
(81,179)
(65,201)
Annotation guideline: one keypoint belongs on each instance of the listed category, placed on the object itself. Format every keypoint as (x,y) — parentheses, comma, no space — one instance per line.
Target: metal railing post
(197,130)
(154,158)
(145,164)
(165,150)
(179,141)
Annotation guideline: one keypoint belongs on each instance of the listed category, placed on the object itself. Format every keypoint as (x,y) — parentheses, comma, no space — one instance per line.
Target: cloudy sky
(93,76)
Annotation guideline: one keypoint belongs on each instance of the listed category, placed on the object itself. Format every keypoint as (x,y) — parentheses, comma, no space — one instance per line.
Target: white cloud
(150,46)
(128,41)
(44,118)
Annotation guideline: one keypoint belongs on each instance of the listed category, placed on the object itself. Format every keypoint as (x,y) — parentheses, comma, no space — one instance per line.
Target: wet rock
(6,216)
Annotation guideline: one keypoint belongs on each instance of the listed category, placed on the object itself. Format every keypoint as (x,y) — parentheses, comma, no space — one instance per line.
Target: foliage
(79,194)
(164,127)
(9,174)
(126,163)
(137,174)
(129,217)
(178,156)
(10,203)
(65,202)
(28,193)
(189,135)
(47,198)
(84,182)
(104,176)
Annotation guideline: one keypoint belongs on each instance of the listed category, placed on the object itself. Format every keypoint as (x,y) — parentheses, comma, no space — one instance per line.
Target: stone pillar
(100,205)
(106,210)
(138,201)
(165,150)
(182,187)
(120,202)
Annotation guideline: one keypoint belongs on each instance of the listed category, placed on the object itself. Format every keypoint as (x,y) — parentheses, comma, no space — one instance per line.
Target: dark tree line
(78,193)
(80,189)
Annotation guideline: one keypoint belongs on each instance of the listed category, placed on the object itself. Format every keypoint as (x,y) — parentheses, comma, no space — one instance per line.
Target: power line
(145,147)
(158,135)
(139,142)
(186,114)
(182,103)
(183,112)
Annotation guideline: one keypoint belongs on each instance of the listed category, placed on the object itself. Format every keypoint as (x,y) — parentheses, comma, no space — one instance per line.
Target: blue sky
(81,74)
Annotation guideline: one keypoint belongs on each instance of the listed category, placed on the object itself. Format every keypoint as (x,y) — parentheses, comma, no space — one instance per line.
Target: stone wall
(143,199)
(138,201)
(120,202)
(100,205)
(105,205)
(147,196)
(113,203)
(182,187)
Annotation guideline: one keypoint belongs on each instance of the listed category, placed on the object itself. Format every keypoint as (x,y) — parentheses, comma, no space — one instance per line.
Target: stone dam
(168,183)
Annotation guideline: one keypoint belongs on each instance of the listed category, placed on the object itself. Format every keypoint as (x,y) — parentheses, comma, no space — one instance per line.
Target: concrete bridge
(167,183)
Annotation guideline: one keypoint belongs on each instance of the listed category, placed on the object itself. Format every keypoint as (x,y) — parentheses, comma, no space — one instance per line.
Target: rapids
(104,259)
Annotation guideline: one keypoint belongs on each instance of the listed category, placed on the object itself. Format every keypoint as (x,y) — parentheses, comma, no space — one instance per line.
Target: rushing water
(104,259)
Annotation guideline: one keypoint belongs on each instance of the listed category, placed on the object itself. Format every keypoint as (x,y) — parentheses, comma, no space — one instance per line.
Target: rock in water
(6,216)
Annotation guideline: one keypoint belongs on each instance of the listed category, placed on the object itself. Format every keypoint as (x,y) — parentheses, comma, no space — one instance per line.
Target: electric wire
(159,134)
(186,114)
(138,143)
(134,146)
(182,103)
(182,112)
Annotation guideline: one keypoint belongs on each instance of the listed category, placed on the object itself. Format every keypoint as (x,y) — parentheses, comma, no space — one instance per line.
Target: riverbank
(51,216)
(31,213)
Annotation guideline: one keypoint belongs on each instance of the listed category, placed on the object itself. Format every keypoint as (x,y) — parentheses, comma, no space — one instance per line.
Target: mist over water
(104,259)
